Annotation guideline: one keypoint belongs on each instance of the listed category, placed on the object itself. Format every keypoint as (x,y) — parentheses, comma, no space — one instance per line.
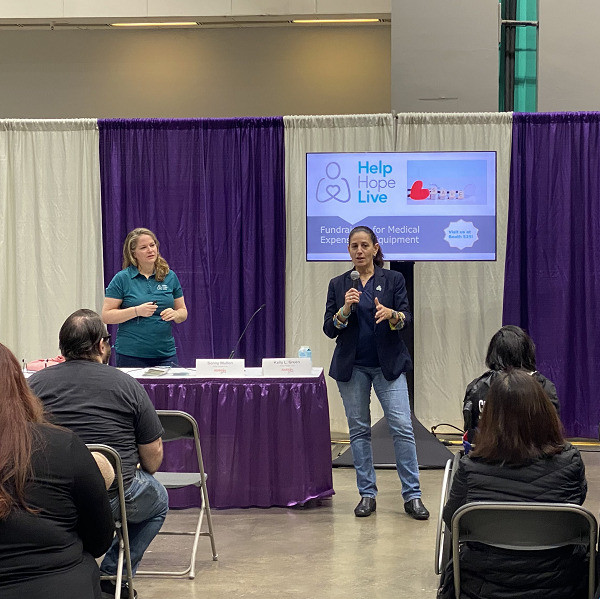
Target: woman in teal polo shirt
(144,299)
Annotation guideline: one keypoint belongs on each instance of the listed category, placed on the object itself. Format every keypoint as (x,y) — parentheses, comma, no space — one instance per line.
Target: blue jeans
(393,397)
(147,504)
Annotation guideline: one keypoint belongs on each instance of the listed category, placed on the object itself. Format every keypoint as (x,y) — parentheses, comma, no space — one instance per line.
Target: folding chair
(523,526)
(443,541)
(120,523)
(181,425)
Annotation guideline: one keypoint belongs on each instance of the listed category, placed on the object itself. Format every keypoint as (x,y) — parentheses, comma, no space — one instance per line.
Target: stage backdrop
(553,260)
(458,306)
(213,192)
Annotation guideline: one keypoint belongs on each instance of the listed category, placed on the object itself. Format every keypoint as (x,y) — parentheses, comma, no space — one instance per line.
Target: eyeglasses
(106,338)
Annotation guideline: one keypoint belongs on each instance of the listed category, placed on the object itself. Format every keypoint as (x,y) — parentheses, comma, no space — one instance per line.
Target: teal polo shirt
(141,337)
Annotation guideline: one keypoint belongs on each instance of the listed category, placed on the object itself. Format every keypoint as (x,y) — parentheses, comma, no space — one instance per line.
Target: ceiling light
(320,21)
(171,24)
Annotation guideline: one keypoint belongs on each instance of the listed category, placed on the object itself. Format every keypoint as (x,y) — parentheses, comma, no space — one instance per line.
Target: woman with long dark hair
(520,454)
(510,347)
(365,319)
(144,299)
(55,516)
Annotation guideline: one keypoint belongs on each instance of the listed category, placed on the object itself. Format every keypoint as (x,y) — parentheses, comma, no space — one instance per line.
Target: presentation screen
(421,205)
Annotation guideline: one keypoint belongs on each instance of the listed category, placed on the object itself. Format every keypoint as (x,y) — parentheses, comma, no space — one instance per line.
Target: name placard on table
(287,367)
(216,368)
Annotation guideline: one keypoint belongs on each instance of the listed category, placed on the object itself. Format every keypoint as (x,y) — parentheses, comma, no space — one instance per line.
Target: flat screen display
(421,205)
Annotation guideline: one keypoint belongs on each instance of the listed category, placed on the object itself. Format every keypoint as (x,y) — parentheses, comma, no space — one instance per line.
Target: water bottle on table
(304,352)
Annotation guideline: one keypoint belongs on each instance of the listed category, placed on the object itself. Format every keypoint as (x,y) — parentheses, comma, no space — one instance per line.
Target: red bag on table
(36,365)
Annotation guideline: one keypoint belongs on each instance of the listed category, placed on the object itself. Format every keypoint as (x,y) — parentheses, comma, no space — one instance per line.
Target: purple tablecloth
(265,442)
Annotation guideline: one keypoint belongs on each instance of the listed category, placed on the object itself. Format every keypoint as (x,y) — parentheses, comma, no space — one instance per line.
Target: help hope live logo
(372,187)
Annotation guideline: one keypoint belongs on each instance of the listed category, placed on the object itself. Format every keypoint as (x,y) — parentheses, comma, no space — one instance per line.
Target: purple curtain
(552,279)
(213,192)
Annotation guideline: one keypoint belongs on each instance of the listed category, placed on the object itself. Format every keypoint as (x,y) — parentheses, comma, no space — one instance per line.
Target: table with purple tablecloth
(265,441)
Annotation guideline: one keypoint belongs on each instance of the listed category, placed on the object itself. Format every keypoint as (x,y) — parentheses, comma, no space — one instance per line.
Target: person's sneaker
(415,509)
(109,588)
(366,506)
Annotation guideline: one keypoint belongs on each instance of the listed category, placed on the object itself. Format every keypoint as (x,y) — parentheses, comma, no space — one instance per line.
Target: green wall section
(526,48)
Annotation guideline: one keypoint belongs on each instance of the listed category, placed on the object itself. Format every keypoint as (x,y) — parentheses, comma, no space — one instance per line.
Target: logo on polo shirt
(162,287)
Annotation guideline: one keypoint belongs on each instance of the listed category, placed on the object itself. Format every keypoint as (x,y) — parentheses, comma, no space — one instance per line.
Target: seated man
(104,405)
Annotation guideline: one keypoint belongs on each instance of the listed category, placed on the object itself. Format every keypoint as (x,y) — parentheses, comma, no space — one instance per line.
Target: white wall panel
(174,8)
(568,56)
(107,8)
(445,56)
(351,6)
(40,9)
(99,9)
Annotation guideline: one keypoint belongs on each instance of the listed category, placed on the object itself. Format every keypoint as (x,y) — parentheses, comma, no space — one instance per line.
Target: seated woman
(55,516)
(510,347)
(520,455)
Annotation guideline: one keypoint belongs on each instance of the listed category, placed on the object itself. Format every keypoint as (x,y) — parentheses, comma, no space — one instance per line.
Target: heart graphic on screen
(417,192)
(333,191)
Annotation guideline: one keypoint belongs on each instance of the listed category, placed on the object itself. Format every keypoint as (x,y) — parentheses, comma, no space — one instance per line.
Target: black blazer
(394,358)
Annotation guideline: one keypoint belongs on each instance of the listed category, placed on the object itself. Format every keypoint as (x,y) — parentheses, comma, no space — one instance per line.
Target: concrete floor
(322,551)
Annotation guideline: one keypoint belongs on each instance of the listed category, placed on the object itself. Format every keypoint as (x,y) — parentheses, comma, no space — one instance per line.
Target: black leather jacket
(477,391)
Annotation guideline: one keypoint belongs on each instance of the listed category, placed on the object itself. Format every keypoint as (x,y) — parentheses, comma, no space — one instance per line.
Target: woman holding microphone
(366,320)
(144,299)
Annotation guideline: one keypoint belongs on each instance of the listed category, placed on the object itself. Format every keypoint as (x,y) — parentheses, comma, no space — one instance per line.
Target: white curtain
(458,305)
(306,282)
(50,230)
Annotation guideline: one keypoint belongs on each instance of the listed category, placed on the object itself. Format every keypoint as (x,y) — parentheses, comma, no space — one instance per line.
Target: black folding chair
(181,425)
(120,523)
(520,526)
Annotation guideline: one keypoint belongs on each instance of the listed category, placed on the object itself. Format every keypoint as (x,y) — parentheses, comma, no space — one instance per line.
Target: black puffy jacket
(493,573)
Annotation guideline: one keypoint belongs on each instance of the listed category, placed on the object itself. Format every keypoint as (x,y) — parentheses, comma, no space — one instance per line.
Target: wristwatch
(395,315)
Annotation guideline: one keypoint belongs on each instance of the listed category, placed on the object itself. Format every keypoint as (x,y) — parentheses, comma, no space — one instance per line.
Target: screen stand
(431,453)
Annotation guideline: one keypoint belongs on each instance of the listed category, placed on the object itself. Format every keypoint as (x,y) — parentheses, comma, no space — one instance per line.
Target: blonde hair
(161,268)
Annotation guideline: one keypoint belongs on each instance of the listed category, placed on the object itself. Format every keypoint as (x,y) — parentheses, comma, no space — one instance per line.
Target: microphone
(246,327)
(355,276)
